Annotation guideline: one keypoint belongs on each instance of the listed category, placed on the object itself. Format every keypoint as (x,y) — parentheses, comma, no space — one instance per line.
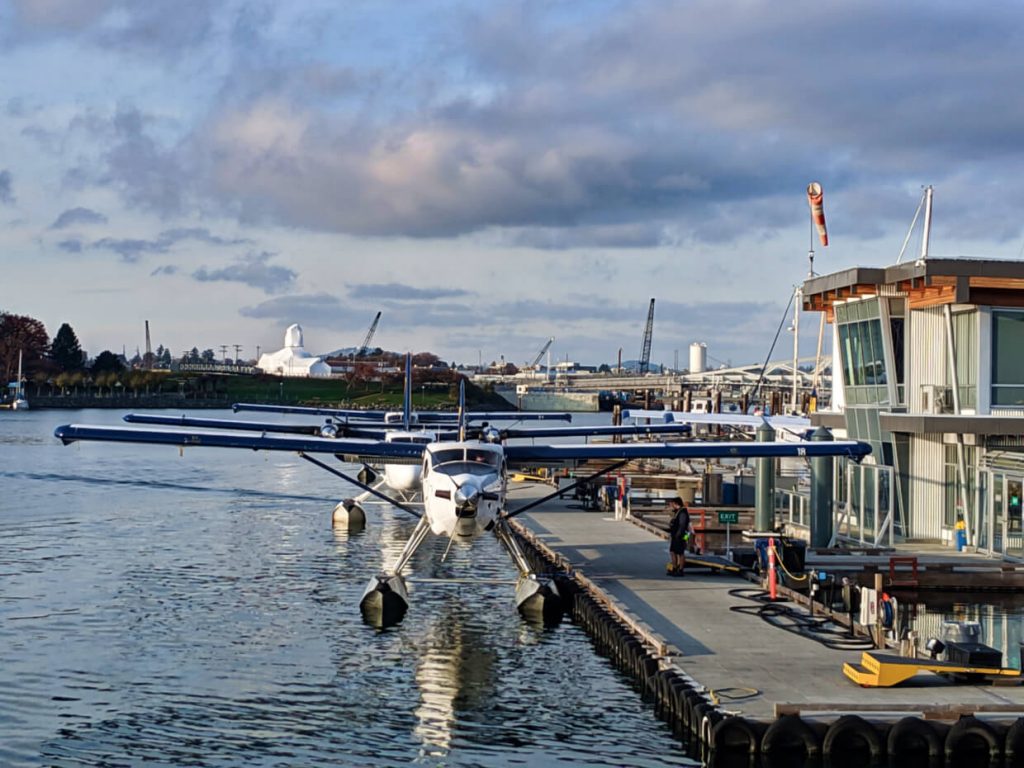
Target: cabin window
(1007,360)
(445,456)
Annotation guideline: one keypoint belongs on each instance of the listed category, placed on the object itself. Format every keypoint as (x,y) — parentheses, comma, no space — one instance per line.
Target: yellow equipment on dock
(878,670)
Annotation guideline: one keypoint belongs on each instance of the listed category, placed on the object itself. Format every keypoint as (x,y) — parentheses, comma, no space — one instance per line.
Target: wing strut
(560,491)
(369,489)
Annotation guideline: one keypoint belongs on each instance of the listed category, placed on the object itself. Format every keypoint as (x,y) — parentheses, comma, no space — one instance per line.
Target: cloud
(72,245)
(133,249)
(73,216)
(60,14)
(400,292)
(547,130)
(167,269)
(6,193)
(157,27)
(130,249)
(251,269)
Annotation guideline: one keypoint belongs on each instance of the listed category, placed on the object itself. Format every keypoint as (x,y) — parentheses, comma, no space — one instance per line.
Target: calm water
(199,610)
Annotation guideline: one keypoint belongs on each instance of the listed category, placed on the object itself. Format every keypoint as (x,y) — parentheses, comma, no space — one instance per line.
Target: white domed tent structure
(293,360)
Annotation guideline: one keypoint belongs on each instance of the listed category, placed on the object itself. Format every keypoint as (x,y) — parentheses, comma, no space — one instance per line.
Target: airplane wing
(533,454)
(638,430)
(734,419)
(343,428)
(422,417)
(352,449)
(340,413)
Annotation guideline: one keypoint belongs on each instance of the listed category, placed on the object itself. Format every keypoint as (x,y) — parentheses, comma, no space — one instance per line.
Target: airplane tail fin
(407,393)
(462,410)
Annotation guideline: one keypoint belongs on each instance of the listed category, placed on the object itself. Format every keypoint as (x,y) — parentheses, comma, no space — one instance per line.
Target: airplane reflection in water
(463,476)
(456,673)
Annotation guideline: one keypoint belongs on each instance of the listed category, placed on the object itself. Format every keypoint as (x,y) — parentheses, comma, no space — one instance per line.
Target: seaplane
(463,474)
(399,476)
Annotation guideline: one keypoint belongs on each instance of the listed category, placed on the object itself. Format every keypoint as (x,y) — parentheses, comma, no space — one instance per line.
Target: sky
(489,175)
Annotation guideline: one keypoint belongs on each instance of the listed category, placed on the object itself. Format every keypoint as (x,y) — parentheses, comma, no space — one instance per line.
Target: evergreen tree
(193,356)
(107,361)
(66,351)
(208,356)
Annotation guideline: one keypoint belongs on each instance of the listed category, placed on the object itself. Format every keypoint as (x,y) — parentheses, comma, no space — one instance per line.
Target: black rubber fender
(679,709)
(664,688)
(913,738)
(788,735)
(701,710)
(1013,744)
(973,742)
(736,734)
(649,664)
(852,741)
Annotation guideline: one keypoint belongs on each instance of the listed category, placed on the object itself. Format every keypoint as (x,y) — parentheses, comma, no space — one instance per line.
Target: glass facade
(1007,360)
(954,510)
(965,332)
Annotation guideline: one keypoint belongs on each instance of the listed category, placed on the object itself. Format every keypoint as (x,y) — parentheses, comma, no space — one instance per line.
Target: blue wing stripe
(69,433)
(694,450)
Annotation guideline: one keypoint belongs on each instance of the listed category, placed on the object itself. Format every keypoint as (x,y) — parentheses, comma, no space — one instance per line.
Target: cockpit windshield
(454,461)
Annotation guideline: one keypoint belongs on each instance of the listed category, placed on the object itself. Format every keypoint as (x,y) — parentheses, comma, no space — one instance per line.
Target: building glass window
(862,350)
(1007,360)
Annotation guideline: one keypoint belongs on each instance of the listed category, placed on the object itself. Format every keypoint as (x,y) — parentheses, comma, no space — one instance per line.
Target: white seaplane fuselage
(406,476)
(464,486)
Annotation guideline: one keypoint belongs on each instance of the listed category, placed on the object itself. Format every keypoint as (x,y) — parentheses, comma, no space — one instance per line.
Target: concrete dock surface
(722,649)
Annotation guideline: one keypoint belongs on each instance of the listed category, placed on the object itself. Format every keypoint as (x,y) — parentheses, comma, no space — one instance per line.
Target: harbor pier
(736,686)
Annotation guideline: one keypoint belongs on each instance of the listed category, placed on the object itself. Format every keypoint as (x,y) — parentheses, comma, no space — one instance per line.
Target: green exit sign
(728,517)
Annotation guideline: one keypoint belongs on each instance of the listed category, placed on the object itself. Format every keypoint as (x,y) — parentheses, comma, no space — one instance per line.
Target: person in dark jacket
(679,532)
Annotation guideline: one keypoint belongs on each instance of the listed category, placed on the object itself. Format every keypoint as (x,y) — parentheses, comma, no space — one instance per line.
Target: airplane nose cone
(467,496)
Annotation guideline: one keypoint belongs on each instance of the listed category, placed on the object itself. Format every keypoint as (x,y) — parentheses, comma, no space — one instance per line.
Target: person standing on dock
(679,532)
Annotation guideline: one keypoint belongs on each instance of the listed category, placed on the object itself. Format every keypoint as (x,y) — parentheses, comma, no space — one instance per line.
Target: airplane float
(462,474)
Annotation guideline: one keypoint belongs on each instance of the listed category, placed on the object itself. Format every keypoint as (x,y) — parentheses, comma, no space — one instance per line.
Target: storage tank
(698,357)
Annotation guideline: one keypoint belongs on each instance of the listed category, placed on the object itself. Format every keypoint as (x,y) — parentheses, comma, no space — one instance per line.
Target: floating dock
(738,688)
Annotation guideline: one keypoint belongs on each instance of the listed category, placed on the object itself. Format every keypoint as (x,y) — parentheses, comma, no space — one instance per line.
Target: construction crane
(645,351)
(545,348)
(365,347)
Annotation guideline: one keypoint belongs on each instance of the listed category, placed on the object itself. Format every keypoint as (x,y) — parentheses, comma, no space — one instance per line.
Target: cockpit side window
(484,457)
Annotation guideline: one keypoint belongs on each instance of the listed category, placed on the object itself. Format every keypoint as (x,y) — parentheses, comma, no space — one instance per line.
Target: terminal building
(928,367)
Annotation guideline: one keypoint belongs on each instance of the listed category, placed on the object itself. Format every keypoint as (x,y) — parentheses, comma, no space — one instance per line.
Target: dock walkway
(724,649)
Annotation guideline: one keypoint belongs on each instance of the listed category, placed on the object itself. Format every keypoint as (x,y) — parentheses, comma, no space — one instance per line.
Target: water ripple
(162,612)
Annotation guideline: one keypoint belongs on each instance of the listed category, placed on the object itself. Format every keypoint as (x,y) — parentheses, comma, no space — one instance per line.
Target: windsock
(815,198)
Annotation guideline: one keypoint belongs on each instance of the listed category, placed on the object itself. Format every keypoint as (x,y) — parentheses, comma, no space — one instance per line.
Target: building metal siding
(927,341)
(927,487)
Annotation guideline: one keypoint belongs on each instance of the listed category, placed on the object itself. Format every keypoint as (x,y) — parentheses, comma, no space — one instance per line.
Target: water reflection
(1001,617)
(151,613)
(455,674)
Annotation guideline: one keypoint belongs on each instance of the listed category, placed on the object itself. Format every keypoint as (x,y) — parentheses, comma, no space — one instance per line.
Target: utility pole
(223,353)
(238,351)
